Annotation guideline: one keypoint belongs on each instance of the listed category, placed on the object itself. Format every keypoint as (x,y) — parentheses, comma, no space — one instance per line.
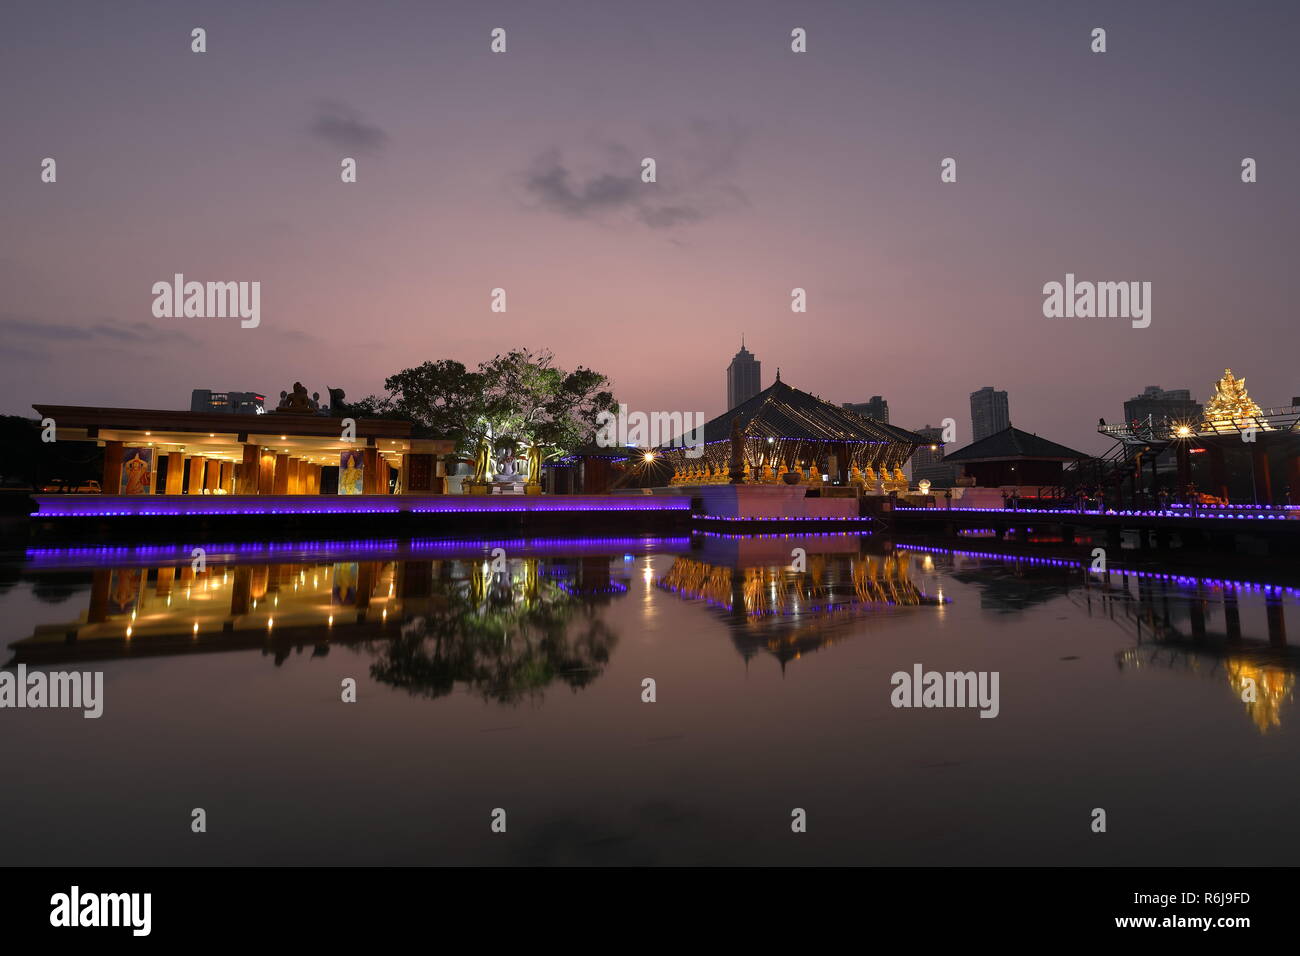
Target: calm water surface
(521,688)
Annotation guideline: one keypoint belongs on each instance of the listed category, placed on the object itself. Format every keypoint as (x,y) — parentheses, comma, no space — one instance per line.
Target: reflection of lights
(128,630)
(331,620)
(269,622)
(1267,686)
(196,627)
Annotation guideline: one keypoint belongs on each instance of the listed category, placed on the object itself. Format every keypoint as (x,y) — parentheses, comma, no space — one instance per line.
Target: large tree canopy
(520,397)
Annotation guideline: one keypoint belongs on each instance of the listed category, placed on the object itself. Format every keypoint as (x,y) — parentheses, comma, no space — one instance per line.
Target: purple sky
(775,169)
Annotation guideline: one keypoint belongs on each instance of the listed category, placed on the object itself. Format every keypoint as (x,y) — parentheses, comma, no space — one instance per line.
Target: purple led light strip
(99,506)
(1217,583)
(1182,515)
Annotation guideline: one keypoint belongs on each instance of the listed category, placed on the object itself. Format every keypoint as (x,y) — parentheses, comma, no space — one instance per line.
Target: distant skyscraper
(1162,405)
(743,377)
(238,403)
(989,412)
(877,408)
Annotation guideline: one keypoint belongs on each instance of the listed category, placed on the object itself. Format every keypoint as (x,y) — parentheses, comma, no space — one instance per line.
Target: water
(522,690)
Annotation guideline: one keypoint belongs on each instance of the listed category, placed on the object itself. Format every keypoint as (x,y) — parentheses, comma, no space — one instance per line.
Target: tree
(519,398)
(542,405)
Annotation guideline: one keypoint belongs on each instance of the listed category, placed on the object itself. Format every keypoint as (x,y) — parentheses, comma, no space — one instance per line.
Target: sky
(775,170)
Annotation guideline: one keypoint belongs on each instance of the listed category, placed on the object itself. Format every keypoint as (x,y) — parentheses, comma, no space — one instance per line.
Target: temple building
(1015,460)
(790,436)
(170,452)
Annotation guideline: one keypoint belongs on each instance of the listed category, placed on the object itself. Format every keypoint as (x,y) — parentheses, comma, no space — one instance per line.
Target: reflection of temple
(1169,617)
(789,611)
(1167,638)
(504,629)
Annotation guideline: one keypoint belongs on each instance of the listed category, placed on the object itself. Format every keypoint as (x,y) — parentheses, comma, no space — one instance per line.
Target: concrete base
(762,501)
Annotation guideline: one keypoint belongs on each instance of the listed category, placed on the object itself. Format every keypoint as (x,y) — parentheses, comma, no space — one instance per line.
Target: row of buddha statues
(707,473)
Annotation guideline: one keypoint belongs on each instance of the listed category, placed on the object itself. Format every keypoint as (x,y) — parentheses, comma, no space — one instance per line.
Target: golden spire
(1231,407)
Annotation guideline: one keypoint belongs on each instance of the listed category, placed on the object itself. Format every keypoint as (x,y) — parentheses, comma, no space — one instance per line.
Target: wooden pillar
(1184,469)
(1263,482)
(1218,471)
(313,479)
(370,480)
(365,583)
(112,484)
(241,591)
(1276,615)
(175,473)
(266,472)
(1231,615)
(226,481)
(295,475)
(196,475)
(211,475)
(164,585)
(281,486)
(248,470)
(100,580)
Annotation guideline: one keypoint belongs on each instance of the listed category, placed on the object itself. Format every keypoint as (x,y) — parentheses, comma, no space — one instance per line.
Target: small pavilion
(792,436)
(1013,457)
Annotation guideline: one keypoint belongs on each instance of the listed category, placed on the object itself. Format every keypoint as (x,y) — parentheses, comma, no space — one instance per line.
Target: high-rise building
(1163,405)
(743,377)
(877,408)
(989,412)
(237,403)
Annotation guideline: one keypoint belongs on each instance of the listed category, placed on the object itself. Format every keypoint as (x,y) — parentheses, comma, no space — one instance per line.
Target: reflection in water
(791,609)
(443,637)
(505,635)
(1168,616)
(1262,688)
(441,613)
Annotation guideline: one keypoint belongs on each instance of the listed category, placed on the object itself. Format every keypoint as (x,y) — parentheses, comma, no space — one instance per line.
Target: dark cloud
(663,217)
(694,167)
(340,125)
(97,332)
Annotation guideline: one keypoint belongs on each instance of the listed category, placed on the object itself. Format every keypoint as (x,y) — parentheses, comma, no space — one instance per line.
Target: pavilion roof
(1012,443)
(783,411)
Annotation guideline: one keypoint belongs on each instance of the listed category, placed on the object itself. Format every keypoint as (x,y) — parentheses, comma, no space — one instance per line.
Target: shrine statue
(482,461)
(535,455)
(296,401)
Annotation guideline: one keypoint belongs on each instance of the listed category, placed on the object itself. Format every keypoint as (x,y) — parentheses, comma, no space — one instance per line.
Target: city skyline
(775,172)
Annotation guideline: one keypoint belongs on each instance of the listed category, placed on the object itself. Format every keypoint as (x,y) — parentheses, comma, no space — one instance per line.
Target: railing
(1279,418)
